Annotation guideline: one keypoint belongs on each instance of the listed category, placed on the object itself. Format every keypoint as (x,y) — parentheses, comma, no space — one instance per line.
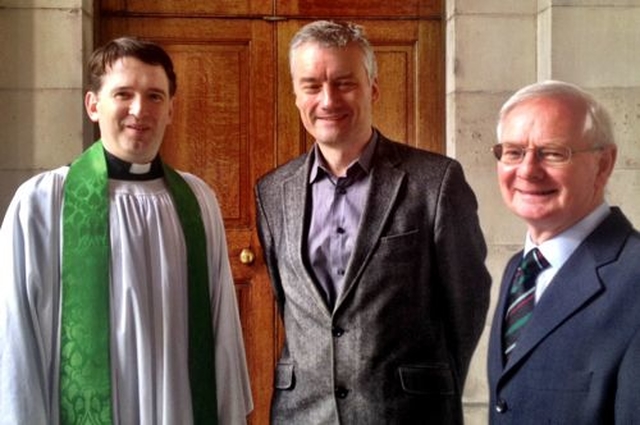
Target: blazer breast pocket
(400,247)
(427,379)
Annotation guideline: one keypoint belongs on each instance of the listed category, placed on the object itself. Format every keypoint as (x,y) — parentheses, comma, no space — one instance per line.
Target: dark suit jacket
(396,346)
(578,359)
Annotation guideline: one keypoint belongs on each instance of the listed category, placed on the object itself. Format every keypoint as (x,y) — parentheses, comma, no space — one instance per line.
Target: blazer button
(337,331)
(341,392)
(501,406)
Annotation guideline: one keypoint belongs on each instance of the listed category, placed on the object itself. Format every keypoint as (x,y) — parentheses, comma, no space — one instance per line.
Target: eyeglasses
(513,154)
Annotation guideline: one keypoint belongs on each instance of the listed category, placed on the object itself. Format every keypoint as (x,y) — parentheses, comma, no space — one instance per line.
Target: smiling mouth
(137,128)
(535,192)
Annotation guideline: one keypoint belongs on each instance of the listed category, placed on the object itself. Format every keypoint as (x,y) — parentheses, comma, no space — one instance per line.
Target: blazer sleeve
(464,282)
(266,237)
(627,404)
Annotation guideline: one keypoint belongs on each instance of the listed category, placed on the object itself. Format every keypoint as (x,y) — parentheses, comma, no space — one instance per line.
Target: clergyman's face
(334,93)
(132,108)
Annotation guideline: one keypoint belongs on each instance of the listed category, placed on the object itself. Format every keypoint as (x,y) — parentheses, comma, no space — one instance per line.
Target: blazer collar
(575,284)
(386,181)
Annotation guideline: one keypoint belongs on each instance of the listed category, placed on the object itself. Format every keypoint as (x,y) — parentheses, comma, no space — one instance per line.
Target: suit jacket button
(337,331)
(341,392)
(501,406)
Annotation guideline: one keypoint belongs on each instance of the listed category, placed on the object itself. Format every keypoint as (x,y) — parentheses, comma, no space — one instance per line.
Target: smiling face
(551,199)
(334,94)
(132,108)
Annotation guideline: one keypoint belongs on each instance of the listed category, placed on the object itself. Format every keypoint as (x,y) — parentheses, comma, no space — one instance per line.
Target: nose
(328,95)
(136,106)
(530,165)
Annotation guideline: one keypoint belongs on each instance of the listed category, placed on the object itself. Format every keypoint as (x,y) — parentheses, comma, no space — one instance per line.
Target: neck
(119,169)
(338,158)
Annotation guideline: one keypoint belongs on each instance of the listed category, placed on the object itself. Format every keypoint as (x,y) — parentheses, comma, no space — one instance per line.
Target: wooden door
(235,117)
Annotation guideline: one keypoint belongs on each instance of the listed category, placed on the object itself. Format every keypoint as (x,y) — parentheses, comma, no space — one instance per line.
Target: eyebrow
(346,76)
(149,90)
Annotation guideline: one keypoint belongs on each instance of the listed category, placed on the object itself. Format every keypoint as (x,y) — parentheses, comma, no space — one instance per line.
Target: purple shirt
(337,204)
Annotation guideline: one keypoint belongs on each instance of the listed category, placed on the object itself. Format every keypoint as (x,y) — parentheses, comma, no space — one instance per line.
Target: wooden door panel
(222,131)
(410,77)
(361,8)
(189,7)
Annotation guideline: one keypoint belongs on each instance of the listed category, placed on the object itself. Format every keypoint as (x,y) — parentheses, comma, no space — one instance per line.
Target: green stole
(85,375)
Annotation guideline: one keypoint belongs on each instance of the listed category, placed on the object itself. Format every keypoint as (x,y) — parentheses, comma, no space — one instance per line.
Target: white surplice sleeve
(29,302)
(233,386)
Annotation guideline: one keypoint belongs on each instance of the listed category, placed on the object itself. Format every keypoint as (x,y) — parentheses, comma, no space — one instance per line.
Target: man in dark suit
(566,351)
(375,255)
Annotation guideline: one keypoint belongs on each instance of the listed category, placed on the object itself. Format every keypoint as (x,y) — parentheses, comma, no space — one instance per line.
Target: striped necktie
(521,298)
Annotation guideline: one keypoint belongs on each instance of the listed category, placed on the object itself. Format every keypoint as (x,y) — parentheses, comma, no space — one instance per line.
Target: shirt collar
(319,167)
(119,169)
(558,249)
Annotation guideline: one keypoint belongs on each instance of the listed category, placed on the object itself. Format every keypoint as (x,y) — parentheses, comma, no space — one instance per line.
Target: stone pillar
(43,45)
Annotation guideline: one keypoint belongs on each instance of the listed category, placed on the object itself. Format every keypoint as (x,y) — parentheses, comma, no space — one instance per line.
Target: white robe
(148,306)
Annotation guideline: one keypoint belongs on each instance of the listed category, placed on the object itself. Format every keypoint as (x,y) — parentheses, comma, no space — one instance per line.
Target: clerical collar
(123,170)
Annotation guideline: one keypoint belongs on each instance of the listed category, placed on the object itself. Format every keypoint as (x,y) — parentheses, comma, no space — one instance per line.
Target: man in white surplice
(131,98)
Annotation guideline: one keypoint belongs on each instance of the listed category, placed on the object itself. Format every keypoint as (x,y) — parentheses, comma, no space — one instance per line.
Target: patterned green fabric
(85,387)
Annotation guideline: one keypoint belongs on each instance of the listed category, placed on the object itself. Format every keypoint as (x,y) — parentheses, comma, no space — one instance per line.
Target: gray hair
(336,34)
(597,122)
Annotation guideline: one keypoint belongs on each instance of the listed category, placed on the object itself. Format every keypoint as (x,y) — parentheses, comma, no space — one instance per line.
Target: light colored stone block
(601,3)
(491,53)
(476,414)
(502,7)
(623,105)
(10,180)
(595,46)
(40,129)
(471,126)
(41,48)
(623,190)
(46,4)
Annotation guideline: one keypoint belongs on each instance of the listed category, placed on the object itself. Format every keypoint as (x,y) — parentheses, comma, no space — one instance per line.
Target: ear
(91,105)
(171,106)
(606,163)
(375,90)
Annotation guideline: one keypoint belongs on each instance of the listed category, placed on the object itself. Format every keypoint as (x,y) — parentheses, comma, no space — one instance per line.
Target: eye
(157,97)
(122,95)
(553,154)
(345,85)
(511,152)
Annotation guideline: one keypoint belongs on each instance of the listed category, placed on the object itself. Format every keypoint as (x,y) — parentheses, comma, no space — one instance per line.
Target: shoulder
(275,177)
(411,158)
(203,192)
(42,186)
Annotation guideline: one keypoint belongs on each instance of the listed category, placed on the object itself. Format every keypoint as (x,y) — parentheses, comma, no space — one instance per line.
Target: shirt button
(337,331)
(501,406)
(340,272)
(340,230)
(341,392)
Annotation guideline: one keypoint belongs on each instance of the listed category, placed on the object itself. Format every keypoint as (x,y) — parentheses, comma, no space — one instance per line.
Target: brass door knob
(247,256)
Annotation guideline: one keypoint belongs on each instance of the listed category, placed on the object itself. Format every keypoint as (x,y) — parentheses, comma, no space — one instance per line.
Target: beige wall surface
(494,47)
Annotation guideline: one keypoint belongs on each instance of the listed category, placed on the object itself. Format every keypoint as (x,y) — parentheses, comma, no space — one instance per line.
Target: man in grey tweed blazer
(375,254)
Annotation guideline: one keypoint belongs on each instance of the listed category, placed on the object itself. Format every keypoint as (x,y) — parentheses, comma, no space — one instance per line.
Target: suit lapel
(295,193)
(576,283)
(573,286)
(386,181)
